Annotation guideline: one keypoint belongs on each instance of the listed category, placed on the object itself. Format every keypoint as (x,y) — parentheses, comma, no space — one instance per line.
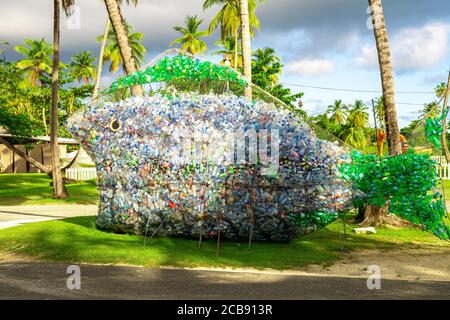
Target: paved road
(14,215)
(42,280)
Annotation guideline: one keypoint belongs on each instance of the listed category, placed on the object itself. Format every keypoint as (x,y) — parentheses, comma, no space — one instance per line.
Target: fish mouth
(79,126)
(84,125)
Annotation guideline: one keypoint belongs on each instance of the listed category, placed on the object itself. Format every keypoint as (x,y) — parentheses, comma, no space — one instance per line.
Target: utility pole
(376,128)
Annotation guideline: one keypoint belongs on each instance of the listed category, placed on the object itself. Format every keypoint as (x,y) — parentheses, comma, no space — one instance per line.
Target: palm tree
(229,19)
(267,59)
(379,111)
(190,40)
(125,48)
(354,136)
(442,91)
(102,50)
(59,191)
(228,50)
(339,112)
(2,50)
(387,79)
(82,67)
(100,60)
(358,116)
(430,110)
(112,50)
(246,46)
(37,60)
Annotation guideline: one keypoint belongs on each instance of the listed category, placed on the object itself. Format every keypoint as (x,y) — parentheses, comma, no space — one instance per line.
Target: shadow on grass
(78,240)
(35,188)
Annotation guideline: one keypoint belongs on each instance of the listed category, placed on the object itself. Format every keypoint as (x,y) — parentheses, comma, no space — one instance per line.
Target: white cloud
(412,48)
(367,57)
(421,48)
(310,67)
(156,19)
(314,106)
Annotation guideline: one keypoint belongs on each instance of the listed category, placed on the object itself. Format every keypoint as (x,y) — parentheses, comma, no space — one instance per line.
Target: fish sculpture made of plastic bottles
(194,158)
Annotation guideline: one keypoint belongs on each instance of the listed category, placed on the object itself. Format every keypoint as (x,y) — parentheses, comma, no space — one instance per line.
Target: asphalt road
(42,280)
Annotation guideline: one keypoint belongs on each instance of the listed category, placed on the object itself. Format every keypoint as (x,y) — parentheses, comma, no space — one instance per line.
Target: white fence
(442,169)
(81,173)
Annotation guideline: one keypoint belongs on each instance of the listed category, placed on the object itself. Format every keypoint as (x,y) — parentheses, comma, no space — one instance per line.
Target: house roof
(12,138)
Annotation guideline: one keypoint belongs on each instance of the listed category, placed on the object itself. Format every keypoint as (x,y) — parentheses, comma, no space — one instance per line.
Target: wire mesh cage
(194,158)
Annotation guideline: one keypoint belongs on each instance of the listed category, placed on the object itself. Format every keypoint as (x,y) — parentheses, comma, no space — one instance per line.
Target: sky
(322,43)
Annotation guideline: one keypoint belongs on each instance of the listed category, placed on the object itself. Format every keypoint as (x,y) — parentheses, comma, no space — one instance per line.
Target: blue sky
(324,43)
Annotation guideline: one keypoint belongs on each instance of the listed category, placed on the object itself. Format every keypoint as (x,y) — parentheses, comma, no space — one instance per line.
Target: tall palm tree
(102,50)
(358,116)
(37,60)
(112,49)
(267,59)
(120,29)
(228,49)
(59,191)
(82,67)
(246,45)
(338,111)
(387,79)
(372,214)
(100,60)
(442,91)
(190,39)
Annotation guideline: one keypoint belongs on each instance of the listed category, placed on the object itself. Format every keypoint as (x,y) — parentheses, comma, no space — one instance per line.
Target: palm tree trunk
(246,46)
(118,24)
(100,60)
(44,120)
(376,215)
(444,124)
(236,50)
(387,79)
(59,191)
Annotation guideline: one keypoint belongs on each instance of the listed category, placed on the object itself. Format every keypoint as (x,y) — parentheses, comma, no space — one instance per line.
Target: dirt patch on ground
(8,257)
(430,263)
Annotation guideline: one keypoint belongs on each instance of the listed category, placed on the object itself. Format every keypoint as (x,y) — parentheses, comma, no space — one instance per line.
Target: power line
(410,103)
(352,90)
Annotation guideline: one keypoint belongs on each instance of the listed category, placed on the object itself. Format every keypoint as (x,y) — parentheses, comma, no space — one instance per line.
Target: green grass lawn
(35,189)
(446,184)
(78,240)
